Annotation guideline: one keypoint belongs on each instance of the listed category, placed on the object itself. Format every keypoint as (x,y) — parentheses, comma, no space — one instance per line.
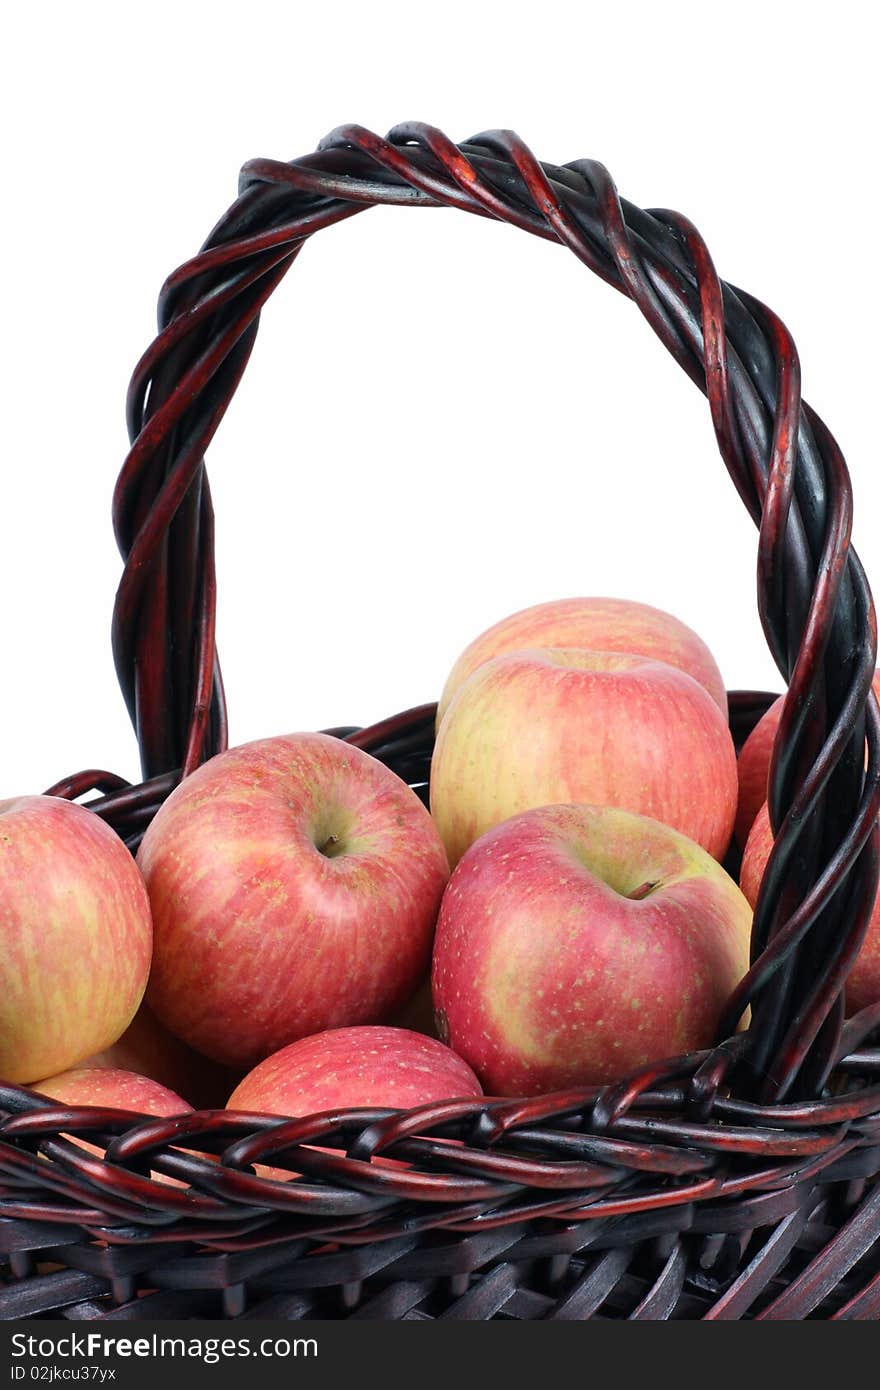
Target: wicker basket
(737,1183)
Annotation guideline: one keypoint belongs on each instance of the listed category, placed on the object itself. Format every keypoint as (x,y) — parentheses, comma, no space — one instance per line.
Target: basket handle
(813,599)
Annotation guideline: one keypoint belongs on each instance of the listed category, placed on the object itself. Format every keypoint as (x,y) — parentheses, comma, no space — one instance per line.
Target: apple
(577,943)
(754,766)
(295,883)
(75,936)
(114,1088)
(379,1067)
(548,726)
(598,624)
(863,981)
(146,1047)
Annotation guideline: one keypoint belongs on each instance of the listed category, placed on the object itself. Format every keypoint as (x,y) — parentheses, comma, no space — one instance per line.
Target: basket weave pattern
(739,1182)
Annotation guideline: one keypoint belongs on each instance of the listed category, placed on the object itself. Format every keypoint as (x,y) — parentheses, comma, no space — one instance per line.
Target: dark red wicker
(739,1183)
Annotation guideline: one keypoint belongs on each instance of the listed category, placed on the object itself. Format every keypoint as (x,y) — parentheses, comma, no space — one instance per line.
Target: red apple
(295,884)
(75,936)
(577,943)
(863,981)
(114,1088)
(146,1047)
(382,1067)
(754,766)
(118,1090)
(536,728)
(598,624)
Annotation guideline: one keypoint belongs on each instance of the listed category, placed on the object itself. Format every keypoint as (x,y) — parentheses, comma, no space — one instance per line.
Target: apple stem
(642,891)
(329,845)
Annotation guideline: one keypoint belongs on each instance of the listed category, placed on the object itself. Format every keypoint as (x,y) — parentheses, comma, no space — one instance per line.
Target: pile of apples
(558,918)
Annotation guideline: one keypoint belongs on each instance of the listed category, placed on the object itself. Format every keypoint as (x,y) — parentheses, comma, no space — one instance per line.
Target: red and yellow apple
(379,1067)
(113,1088)
(754,766)
(597,624)
(75,936)
(863,981)
(577,943)
(295,884)
(549,726)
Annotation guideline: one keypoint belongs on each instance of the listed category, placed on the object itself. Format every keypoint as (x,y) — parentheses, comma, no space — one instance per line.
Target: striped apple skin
(576,944)
(549,726)
(75,936)
(295,884)
(596,624)
(369,1066)
(113,1087)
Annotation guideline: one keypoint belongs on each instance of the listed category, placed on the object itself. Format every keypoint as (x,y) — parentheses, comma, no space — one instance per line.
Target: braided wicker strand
(813,598)
(733,1183)
(570,1205)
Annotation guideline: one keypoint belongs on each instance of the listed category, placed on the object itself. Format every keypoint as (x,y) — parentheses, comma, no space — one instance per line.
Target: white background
(535,441)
